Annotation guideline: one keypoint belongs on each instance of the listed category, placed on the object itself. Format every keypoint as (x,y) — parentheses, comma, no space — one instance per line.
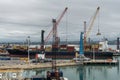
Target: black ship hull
(22,53)
(59,54)
(99,55)
(52,54)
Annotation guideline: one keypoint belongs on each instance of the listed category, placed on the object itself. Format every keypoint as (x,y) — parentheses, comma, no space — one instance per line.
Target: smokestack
(118,43)
(42,39)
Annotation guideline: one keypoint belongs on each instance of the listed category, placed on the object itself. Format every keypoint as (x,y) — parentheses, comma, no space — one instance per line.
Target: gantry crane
(54,29)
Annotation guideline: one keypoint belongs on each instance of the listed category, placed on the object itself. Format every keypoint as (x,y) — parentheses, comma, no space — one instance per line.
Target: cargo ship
(98,50)
(63,52)
(56,51)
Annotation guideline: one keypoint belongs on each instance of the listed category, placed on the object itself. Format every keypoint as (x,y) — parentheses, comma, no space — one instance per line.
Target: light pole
(93,54)
(28,40)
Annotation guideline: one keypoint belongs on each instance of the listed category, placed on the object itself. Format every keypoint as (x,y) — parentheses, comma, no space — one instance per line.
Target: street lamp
(28,40)
(93,54)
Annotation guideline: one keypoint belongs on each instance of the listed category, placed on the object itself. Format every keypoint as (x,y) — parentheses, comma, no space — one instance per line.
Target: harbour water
(88,72)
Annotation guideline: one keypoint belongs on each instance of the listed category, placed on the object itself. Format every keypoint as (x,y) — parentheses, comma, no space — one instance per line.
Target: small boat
(55,75)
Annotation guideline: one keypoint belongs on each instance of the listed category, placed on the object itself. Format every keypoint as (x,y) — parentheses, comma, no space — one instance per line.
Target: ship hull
(59,54)
(99,55)
(51,54)
(22,53)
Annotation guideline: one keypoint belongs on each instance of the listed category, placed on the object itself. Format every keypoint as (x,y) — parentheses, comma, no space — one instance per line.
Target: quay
(23,66)
(101,62)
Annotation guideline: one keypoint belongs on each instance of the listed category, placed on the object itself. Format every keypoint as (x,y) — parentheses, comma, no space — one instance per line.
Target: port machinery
(54,29)
(97,50)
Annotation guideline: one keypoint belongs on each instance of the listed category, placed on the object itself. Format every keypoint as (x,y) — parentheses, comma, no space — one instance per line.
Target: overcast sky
(22,18)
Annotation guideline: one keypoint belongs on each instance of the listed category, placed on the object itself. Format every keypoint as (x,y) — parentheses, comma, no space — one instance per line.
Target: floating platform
(101,62)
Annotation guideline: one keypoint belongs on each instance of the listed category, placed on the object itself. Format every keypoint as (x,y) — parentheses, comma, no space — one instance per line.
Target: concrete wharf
(22,65)
(100,62)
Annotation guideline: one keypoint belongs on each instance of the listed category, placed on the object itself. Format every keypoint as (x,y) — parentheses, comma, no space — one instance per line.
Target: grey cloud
(22,18)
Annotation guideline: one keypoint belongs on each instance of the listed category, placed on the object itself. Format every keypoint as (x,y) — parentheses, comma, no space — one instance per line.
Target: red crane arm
(57,22)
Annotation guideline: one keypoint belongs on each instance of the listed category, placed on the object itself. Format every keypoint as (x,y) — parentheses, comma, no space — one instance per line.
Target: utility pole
(28,40)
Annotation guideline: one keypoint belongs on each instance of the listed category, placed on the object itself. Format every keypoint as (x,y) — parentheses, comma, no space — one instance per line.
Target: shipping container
(95,46)
(5,58)
(62,50)
(24,59)
(33,49)
(15,58)
(55,46)
(48,48)
(70,48)
(63,47)
(55,49)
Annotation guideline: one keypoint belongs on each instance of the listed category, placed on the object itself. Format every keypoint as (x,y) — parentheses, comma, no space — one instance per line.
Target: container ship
(98,50)
(63,52)
(56,51)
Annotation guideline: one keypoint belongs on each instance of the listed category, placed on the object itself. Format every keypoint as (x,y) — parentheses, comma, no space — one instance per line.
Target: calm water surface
(93,72)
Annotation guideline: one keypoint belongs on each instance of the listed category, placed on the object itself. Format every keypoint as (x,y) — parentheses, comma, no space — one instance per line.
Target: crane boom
(92,22)
(57,22)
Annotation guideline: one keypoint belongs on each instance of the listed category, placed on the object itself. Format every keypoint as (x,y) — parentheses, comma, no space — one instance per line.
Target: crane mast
(55,36)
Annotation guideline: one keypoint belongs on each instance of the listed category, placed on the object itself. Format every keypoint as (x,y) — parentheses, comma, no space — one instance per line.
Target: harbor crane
(54,29)
(86,33)
(92,22)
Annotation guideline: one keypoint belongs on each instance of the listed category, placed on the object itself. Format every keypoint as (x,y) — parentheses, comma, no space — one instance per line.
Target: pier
(19,65)
(101,62)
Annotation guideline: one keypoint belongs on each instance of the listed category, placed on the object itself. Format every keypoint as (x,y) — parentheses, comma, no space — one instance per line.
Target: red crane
(54,29)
